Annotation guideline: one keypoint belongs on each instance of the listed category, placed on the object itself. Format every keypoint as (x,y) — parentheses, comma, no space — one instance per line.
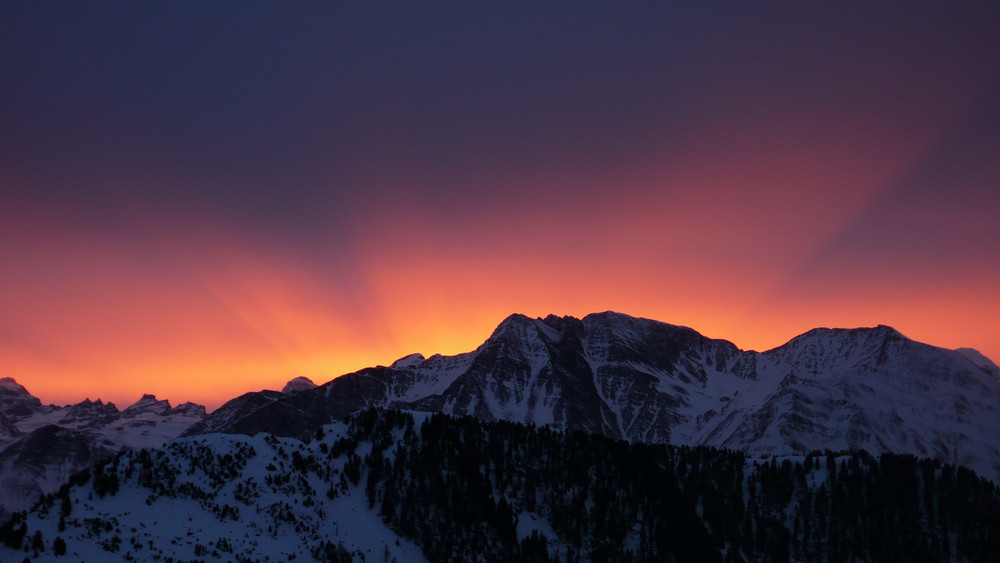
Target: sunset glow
(197,205)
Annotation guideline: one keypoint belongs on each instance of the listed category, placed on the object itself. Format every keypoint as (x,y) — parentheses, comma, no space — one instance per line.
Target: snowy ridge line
(841,389)
(42,445)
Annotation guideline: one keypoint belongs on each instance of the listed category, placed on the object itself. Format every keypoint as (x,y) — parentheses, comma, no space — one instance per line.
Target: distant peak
(519,320)
(408,361)
(886,329)
(861,336)
(512,322)
(980,360)
(298,384)
(11,386)
(515,319)
(520,328)
(98,403)
(189,409)
(882,330)
(609,315)
(147,404)
(15,401)
(616,317)
(973,354)
(549,319)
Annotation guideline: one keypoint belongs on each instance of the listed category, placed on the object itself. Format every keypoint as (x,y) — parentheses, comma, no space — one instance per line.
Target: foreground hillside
(390,485)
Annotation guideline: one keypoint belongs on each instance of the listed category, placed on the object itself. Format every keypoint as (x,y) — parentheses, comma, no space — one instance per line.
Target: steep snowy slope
(660,380)
(871,389)
(223,498)
(528,371)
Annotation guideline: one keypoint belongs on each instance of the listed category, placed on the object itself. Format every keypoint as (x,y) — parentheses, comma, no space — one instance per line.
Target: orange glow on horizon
(203,206)
(213,321)
(195,312)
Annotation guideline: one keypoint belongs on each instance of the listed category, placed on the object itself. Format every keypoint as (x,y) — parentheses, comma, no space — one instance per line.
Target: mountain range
(42,445)
(637,379)
(867,390)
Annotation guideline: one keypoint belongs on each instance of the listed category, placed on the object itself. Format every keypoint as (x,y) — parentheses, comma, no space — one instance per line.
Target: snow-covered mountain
(981,361)
(639,379)
(42,445)
(15,401)
(870,389)
(298,384)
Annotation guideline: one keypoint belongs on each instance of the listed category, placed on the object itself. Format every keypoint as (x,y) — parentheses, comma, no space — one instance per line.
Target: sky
(200,199)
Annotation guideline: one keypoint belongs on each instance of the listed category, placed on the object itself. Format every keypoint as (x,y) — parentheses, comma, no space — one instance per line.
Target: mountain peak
(515,319)
(513,324)
(15,401)
(880,332)
(89,414)
(189,409)
(888,331)
(611,315)
(298,384)
(147,404)
(980,360)
(9,386)
(408,361)
(518,328)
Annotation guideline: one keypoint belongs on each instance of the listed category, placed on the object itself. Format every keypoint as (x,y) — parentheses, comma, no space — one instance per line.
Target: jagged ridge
(41,445)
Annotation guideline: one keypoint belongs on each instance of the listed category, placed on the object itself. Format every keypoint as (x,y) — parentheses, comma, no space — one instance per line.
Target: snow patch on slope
(264,510)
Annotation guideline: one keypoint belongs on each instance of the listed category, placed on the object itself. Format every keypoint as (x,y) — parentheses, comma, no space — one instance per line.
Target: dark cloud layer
(297,109)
